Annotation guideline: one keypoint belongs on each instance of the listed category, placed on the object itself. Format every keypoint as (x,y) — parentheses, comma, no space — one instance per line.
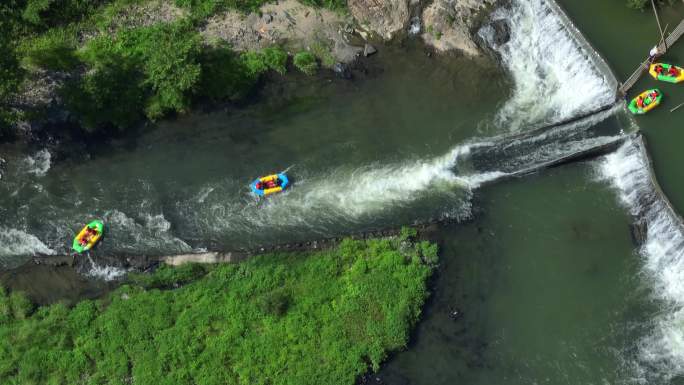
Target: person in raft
(87,236)
(653,95)
(640,102)
(269,184)
(673,71)
(659,69)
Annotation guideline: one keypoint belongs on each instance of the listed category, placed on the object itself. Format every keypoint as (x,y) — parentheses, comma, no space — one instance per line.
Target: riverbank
(107,68)
(329,316)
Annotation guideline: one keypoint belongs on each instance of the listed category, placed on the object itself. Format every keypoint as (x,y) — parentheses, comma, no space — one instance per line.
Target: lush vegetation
(122,74)
(317,318)
(306,62)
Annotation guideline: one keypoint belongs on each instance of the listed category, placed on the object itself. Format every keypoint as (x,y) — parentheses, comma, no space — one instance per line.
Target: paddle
(674,109)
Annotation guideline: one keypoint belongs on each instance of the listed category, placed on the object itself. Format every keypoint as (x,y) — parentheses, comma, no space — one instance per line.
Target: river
(547,283)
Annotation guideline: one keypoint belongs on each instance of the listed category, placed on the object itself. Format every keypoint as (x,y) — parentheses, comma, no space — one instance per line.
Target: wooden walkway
(643,67)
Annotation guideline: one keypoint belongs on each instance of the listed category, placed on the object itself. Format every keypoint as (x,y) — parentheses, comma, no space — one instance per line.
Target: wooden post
(662,34)
(676,108)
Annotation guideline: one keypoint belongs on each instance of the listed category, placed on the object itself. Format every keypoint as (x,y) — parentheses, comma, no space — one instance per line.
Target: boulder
(639,232)
(342,71)
(502,31)
(449,24)
(383,17)
(369,50)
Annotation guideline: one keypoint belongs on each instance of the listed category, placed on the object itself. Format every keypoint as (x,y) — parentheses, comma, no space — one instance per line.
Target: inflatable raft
(84,242)
(650,101)
(664,74)
(270,184)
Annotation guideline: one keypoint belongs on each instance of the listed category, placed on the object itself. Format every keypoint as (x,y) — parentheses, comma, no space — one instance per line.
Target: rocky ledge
(446,25)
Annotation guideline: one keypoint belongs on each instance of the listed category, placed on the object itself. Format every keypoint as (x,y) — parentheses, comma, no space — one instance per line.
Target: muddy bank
(46,284)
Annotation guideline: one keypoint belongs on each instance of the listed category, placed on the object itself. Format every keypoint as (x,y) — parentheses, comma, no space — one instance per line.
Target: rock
(639,232)
(502,32)
(342,71)
(286,22)
(455,314)
(414,26)
(448,24)
(369,50)
(384,17)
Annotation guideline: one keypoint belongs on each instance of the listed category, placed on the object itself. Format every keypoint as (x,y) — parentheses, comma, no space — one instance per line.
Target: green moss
(324,53)
(306,62)
(323,318)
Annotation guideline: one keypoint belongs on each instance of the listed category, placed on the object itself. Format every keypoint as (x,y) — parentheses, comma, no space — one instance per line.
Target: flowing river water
(540,280)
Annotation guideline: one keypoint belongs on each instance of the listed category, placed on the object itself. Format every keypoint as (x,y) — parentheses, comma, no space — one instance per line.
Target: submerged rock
(342,71)
(414,26)
(502,32)
(369,50)
(639,232)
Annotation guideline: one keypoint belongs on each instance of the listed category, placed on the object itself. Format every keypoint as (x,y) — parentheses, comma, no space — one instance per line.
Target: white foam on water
(38,164)
(105,273)
(151,232)
(14,242)
(555,72)
(354,194)
(661,352)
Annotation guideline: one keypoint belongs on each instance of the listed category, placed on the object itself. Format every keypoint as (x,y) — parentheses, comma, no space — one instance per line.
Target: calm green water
(548,286)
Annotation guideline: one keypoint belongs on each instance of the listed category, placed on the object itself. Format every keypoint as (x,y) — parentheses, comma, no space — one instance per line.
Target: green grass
(306,62)
(313,318)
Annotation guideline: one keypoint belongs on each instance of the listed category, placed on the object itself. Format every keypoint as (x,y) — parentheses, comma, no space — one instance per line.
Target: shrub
(306,62)
(156,67)
(224,75)
(11,77)
(168,277)
(55,50)
(275,302)
(20,305)
(276,59)
(43,14)
(429,252)
(108,95)
(408,233)
(227,75)
(274,319)
(324,53)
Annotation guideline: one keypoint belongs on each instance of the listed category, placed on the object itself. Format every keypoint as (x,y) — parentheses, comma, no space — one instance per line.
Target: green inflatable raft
(650,99)
(89,235)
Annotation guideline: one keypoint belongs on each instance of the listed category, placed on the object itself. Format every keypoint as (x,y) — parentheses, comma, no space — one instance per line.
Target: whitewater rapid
(661,351)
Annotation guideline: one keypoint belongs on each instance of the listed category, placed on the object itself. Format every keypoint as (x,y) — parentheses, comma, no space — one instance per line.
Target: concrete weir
(142,263)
